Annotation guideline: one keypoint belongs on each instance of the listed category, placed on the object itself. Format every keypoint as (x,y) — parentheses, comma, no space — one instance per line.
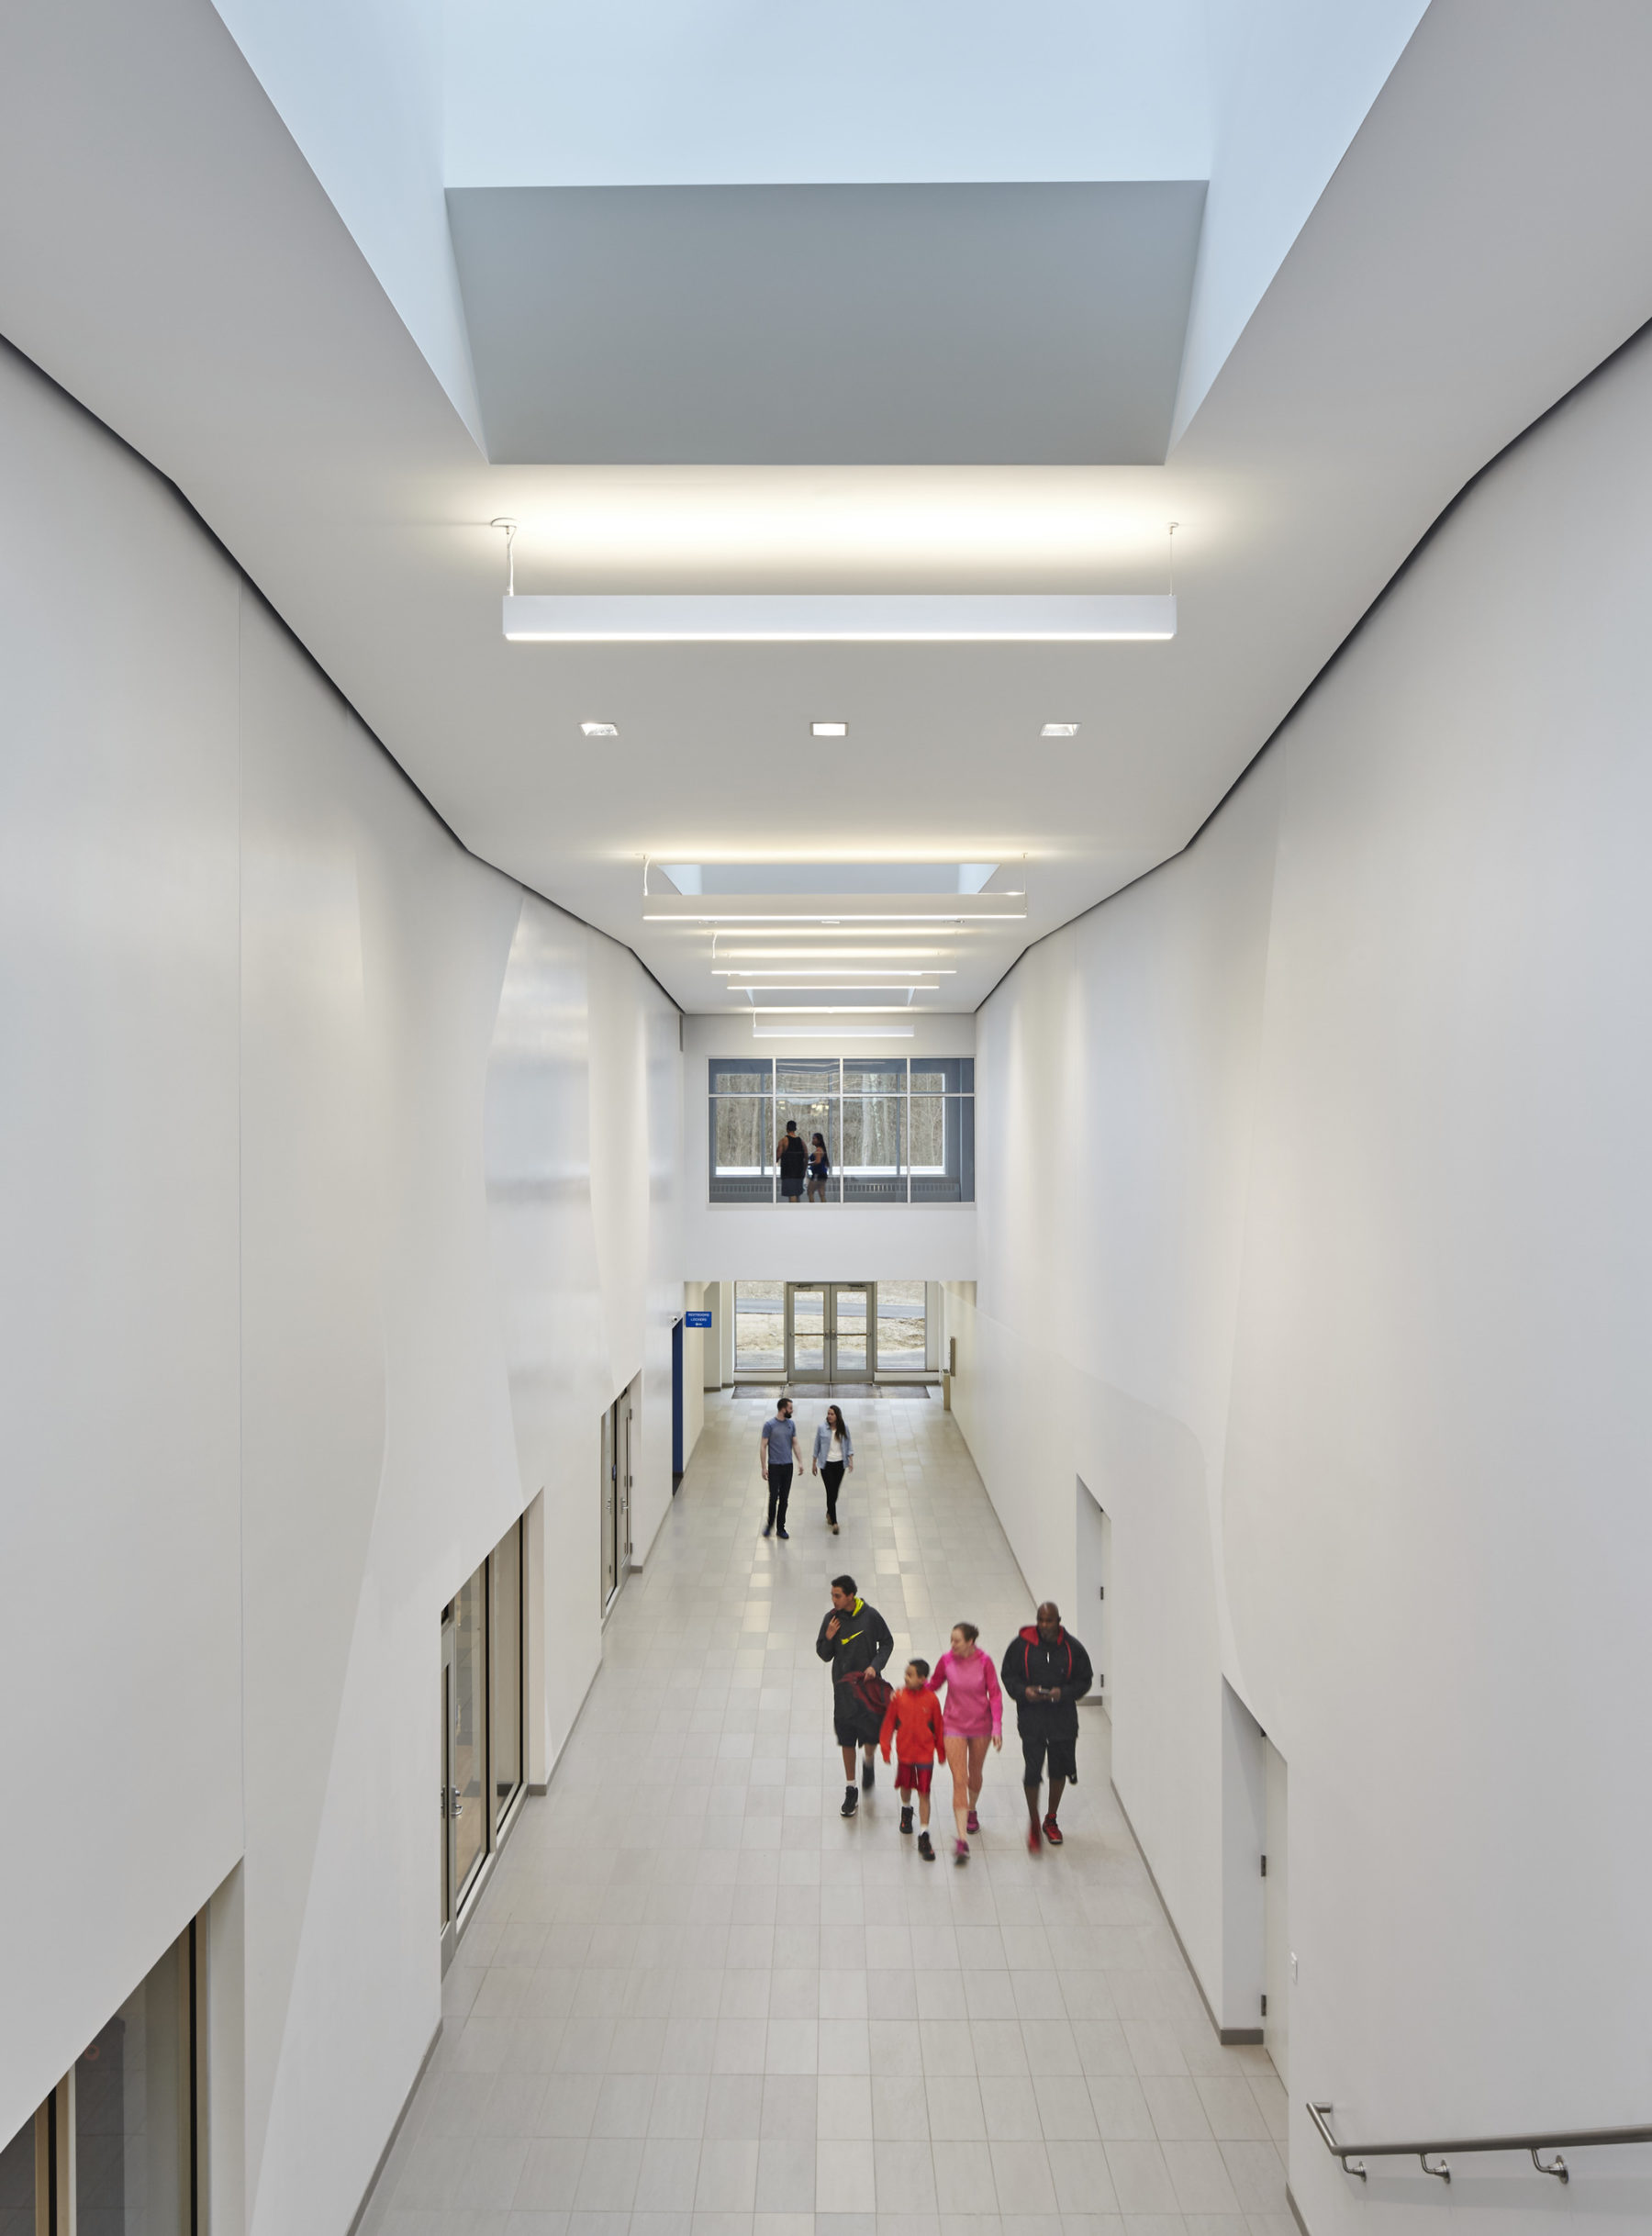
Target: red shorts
(913,1777)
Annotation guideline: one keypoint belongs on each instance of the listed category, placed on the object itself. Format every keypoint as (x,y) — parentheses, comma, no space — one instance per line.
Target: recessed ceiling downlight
(600,730)
(829,730)
(1059,729)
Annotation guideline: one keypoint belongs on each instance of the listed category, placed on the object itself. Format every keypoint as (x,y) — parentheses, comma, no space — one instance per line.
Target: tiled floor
(697,2003)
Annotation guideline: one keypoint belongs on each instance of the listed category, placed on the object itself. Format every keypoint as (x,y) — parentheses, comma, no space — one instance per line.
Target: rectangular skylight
(823,877)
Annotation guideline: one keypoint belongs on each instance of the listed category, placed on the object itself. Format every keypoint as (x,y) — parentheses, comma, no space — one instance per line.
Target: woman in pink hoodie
(974,1713)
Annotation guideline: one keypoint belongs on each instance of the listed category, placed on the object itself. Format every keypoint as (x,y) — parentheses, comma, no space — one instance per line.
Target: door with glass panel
(618,1428)
(465,1748)
(482,1725)
(118,2147)
(806,1344)
(830,1332)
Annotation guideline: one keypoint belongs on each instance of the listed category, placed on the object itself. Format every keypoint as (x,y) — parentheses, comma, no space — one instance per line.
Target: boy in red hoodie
(915,1721)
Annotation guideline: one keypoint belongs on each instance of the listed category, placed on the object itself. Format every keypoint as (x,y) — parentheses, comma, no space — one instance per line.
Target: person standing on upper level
(793,1160)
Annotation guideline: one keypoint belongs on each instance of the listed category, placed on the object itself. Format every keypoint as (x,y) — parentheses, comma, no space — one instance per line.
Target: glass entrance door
(806,1345)
(831,1332)
(853,1334)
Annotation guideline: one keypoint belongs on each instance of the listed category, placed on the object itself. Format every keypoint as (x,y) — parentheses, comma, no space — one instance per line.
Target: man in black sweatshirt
(854,1638)
(1047,1673)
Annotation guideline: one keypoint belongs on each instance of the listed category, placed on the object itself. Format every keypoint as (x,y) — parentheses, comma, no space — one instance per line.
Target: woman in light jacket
(832,1453)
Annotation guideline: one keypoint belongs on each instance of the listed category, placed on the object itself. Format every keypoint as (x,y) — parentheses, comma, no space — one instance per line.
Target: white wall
(340,1196)
(119,1417)
(1343,1315)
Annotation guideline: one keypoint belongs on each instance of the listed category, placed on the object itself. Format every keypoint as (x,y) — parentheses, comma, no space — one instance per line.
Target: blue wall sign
(697,1319)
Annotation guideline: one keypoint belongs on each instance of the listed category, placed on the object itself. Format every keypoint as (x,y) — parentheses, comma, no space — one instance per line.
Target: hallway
(695,2002)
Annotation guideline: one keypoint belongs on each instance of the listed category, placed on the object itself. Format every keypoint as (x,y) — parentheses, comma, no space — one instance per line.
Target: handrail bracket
(1434,2158)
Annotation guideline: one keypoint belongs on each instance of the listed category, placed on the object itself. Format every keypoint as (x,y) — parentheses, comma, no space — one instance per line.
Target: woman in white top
(832,1453)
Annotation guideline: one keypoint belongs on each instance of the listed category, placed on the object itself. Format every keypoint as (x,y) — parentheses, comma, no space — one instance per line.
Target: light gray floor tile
(1021,2173)
(845,2178)
(728,2178)
(1141,2179)
(1064,2109)
(750,2018)
(906,2179)
(785,2177)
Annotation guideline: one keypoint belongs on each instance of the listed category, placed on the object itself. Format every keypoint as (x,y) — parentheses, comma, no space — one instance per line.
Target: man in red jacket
(915,1721)
(1048,1673)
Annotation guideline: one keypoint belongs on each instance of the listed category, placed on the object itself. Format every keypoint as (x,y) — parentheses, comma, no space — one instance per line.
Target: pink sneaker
(972,1823)
(960,1852)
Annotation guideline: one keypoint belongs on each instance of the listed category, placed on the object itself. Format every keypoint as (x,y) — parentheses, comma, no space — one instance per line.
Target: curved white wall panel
(1340,1307)
(341,1195)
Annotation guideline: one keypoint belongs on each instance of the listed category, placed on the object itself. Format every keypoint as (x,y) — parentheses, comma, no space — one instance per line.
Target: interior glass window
(131,2113)
(759,1328)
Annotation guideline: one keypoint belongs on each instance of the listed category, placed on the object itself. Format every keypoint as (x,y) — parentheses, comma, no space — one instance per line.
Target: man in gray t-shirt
(777,1456)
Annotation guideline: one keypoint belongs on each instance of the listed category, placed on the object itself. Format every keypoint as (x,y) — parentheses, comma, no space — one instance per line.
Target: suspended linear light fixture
(899,616)
(903,616)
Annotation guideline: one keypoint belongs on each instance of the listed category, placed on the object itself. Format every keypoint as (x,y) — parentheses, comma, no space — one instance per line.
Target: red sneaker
(1052,1831)
(1033,1842)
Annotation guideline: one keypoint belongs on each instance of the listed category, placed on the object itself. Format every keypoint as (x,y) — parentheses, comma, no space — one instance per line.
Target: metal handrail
(1549,2139)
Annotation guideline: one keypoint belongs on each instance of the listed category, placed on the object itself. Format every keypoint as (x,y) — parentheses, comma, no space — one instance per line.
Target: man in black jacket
(1047,1673)
(854,1638)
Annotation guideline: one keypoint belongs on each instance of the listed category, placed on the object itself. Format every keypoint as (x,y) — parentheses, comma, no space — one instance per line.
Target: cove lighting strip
(840,617)
(861,1033)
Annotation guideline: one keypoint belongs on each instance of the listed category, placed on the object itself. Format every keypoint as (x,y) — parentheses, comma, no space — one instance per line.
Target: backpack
(874,1691)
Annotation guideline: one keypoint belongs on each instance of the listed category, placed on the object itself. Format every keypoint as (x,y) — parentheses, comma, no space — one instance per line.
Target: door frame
(620,1429)
(811,1378)
(459,1902)
(450,1860)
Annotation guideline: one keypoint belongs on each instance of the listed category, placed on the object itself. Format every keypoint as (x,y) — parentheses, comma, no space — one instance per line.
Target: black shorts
(1063,1748)
(794,1189)
(852,1720)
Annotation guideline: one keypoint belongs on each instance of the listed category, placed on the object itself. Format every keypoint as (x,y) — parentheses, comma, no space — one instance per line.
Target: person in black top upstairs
(792,1157)
(854,1638)
(1047,1673)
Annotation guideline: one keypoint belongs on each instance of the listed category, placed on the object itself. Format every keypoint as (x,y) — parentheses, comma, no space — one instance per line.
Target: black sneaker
(866,1774)
(784,1533)
(850,1802)
(766,1527)
(924,1850)
(906,1820)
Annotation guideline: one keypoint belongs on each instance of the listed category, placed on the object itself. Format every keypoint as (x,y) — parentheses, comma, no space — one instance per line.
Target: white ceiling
(169,255)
